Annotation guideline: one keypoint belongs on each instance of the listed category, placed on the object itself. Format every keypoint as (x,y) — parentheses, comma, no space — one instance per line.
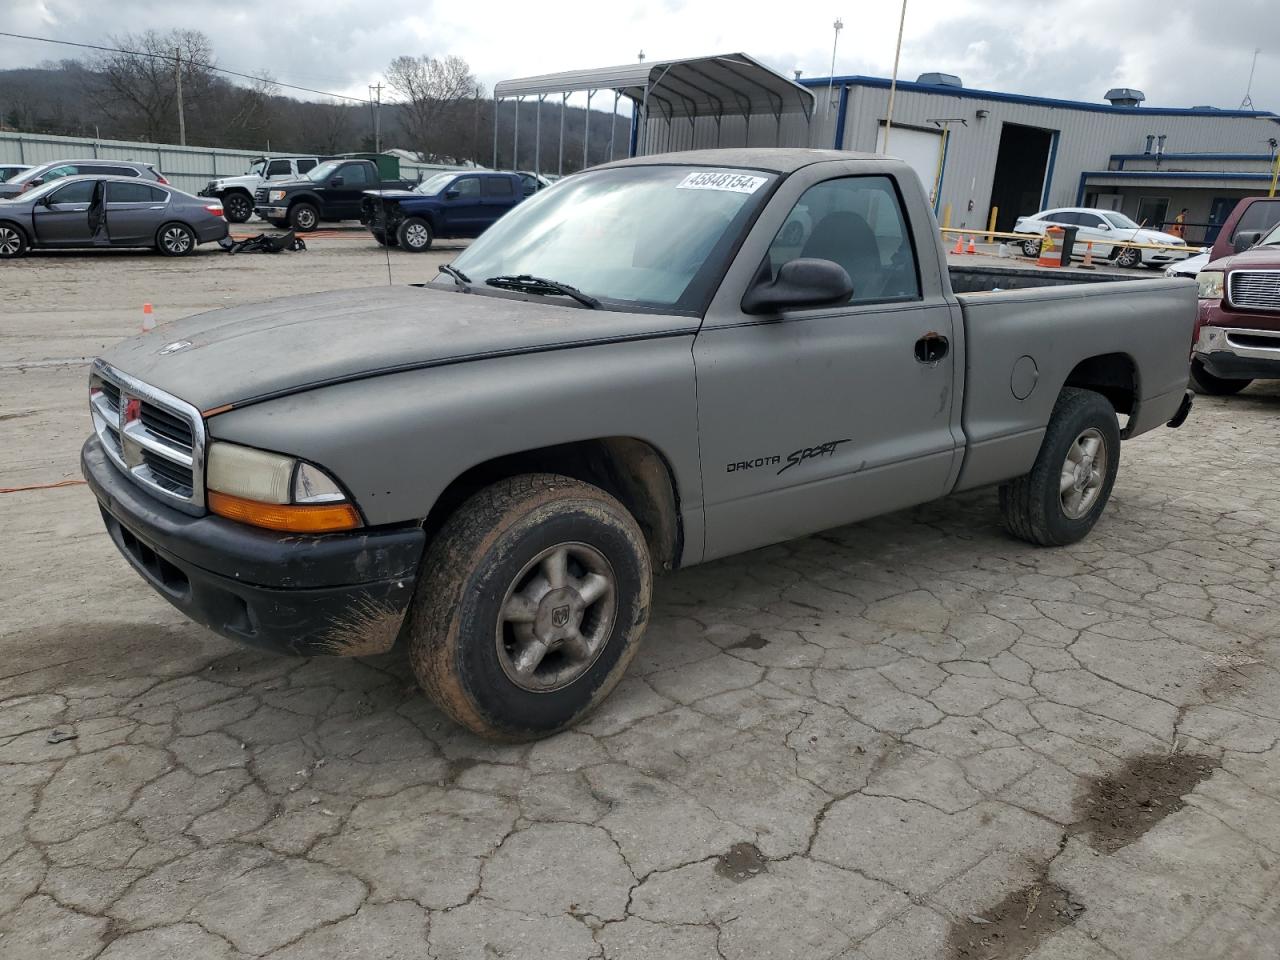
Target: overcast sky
(1180,52)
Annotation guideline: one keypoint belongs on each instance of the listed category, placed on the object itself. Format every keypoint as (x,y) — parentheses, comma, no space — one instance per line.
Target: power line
(171,59)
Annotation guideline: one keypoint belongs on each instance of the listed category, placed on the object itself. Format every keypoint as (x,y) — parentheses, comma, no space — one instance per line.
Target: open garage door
(921,150)
(1022,164)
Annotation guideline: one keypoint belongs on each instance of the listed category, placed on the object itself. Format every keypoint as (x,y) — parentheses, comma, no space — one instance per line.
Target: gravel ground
(910,738)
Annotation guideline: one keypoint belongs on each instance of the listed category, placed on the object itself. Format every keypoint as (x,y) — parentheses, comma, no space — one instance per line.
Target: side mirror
(38,181)
(451,194)
(336,181)
(1105,226)
(800,283)
(1246,239)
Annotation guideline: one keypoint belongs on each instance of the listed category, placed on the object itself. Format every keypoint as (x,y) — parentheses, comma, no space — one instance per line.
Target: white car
(1106,230)
(1190,267)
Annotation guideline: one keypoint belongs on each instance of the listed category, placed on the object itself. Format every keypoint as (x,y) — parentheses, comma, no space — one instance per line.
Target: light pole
(831,77)
(893,83)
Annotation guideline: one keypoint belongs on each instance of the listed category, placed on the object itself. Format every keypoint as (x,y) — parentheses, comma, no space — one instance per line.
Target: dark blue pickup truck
(447,206)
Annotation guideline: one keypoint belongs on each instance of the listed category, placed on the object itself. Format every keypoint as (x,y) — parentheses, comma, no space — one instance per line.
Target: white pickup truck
(236,193)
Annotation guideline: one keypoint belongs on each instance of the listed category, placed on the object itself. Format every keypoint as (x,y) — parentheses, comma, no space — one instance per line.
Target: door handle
(931,348)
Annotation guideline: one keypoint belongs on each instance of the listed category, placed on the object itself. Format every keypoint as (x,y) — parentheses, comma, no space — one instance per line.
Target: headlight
(275,196)
(274,491)
(1210,284)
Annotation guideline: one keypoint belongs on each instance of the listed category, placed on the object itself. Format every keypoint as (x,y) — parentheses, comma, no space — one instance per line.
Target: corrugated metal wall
(1086,141)
(187,168)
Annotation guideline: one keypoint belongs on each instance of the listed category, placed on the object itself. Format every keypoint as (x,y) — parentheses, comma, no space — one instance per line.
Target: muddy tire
(238,206)
(1206,383)
(1063,496)
(304,217)
(533,599)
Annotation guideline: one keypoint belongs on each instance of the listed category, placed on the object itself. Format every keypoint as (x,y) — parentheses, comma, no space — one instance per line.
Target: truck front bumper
(272,213)
(344,594)
(1233,353)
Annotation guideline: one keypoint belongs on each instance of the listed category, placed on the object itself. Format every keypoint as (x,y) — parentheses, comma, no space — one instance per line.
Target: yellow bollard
(991,225)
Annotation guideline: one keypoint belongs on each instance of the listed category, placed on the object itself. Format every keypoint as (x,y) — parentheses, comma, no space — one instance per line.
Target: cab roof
(767,159)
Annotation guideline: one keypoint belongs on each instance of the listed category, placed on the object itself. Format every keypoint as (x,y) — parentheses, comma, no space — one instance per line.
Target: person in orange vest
(1179,228)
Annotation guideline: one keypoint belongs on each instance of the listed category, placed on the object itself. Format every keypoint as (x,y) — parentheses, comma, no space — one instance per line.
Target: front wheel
(1129,257)
(176,240)
(414,235)
(13,242)
(1063,496)
(1206,383)
(303,217)
(238,207)
(1031,248)
(532,601)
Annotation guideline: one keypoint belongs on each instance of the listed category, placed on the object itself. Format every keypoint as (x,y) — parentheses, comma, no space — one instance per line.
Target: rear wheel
(303,217)
(414,234)
(237,206)
(532,601)
(13,242)
(1206,383)
(175,240)
(1063,496)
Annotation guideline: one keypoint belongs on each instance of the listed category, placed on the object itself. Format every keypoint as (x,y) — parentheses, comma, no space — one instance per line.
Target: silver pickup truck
(653,364)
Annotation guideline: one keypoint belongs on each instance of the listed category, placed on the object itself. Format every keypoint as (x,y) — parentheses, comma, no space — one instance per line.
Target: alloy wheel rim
(176,240)
(237,205)
(556,617)
(416,235)
(9,242)
(1083,473)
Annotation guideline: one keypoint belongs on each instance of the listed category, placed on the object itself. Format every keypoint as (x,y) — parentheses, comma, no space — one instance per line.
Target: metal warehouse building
(975,150)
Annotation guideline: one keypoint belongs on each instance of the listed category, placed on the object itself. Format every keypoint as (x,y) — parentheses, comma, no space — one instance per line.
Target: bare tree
(138,88)
(432,90)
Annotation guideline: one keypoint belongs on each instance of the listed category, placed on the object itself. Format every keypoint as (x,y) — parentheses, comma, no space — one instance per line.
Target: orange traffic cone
(959,245)
(973,248)
(148,318)
(1088,257)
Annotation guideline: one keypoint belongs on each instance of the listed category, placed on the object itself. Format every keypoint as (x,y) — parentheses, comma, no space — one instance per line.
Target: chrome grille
(260,195)
(1254,289)
(155,438)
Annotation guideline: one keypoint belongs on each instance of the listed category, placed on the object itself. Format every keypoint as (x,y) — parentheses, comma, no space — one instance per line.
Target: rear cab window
(498,187)
(857,222)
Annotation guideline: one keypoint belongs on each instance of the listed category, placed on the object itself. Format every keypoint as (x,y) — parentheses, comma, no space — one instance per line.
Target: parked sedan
(108,212)
(33,177)
(10,170)
(1107,230)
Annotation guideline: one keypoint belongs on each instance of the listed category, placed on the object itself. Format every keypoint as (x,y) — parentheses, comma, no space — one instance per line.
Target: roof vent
(1125,97)
(939,80)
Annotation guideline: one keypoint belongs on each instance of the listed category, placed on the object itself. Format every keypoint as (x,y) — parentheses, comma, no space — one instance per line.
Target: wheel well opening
(629,469)
(1111,374)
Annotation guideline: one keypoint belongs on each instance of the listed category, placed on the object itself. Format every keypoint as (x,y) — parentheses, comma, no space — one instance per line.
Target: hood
(1258,258)
(399,195)
(1145,235)
(243,354)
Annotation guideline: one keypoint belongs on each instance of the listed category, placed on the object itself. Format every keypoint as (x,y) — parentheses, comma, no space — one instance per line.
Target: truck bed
(1031,339)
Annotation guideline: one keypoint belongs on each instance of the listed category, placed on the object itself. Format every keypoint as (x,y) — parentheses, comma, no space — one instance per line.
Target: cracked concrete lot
(908,739)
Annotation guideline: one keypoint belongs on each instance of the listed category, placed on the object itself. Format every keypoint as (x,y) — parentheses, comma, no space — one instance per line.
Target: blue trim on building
(965,92)
(840,118)
(1048,176)
(1191,156)
(1164,175)
(635,132)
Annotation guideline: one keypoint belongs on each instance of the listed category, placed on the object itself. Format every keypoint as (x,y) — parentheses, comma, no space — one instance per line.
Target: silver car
(32,177)
(108,212)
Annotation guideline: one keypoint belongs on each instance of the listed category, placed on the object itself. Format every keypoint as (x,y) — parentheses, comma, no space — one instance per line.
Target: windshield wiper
(460,278)
(529,284)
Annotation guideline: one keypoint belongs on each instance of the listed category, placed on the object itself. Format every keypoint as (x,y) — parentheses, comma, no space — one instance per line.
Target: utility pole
(375,107)
(182,120)
(1247,102)
(831,77)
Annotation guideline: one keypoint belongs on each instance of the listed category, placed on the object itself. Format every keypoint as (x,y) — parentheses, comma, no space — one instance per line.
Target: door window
(468,188)
(858,223)
(133,193)
(1067,218)
(1090,220)
(57,172)
(278,168)
(305,165)
(356,175)
(498,187)
(81,191)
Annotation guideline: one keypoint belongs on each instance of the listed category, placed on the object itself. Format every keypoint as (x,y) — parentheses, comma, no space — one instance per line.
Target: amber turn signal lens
(314,518)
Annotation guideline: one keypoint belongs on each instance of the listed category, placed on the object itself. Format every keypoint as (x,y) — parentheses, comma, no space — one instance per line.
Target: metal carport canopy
(732,83)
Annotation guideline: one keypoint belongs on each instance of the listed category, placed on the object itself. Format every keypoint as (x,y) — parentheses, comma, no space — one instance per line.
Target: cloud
(1177,52)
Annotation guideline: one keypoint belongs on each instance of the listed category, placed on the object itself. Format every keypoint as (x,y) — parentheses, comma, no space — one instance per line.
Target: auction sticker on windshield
(733,182)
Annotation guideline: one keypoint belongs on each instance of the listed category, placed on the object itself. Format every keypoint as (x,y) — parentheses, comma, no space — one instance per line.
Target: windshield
(654,236)
(1121,221)
(433,185)
(324,171)
(40,191)
(259,168)
(1272,238)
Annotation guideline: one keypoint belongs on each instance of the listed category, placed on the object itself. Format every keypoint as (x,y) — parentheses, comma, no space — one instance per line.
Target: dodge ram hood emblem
(174,347)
